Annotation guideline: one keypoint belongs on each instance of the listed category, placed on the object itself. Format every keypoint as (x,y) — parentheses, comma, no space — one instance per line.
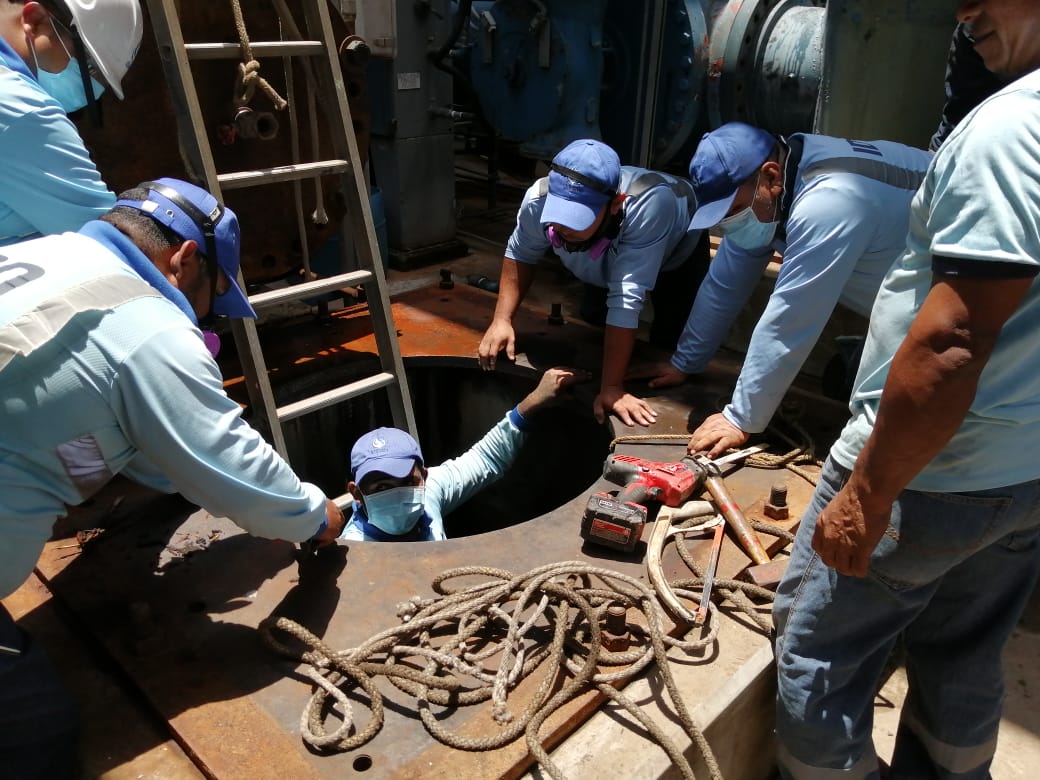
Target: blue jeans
(39,723)
(952,575)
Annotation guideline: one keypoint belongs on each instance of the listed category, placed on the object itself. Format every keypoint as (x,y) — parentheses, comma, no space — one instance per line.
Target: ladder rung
(233,51)
(345,502)
(280,173)
(306,289)
(322,400)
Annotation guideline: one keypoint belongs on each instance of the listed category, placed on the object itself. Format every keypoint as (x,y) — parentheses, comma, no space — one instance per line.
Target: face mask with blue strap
(65,87)
(746,230)
(396,511)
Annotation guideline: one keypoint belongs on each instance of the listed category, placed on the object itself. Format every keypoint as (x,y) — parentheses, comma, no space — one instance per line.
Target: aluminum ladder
(176,56)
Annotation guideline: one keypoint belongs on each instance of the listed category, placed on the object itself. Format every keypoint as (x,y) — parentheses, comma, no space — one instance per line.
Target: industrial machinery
(523,78)
(519,79)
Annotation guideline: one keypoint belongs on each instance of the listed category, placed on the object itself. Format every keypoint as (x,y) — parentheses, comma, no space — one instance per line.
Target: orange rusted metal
(180,618)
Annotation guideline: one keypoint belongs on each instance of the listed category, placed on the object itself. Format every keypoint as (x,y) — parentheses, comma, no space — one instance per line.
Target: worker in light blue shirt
(837,212)
(130,387)
(397,499)
(623,231)
(924,528)
(48,52)
(104,372)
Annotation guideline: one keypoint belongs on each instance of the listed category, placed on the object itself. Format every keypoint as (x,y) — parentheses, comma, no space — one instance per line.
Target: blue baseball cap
(725,159)
(387,450)
(583,178)
(194,214)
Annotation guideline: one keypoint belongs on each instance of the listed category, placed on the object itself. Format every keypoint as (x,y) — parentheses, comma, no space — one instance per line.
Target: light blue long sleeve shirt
(845,226)
(48,183)
(103,372)
(454,482)
(656,219)
(979,205)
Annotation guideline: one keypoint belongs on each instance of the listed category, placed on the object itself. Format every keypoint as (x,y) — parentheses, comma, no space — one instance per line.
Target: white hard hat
(111,31)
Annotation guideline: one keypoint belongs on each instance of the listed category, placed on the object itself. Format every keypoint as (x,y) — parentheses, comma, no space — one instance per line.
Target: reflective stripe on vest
(33,329)
(886,173)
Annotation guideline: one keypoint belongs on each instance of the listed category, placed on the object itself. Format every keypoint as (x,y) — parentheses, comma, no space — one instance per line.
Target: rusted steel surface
(175,595)
(108,705)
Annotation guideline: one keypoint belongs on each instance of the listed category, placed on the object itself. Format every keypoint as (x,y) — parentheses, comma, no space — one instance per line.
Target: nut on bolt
(777,508)
(556,314)
(615,636)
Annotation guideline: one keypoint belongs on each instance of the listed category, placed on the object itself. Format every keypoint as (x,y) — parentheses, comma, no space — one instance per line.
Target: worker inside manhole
(483,441)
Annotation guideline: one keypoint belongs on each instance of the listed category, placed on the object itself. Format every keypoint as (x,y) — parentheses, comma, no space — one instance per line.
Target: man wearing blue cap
(837,212)
(104,372)
(397,499)
(622,230)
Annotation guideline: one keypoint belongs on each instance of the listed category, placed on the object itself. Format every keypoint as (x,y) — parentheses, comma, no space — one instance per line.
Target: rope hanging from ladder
(248,77)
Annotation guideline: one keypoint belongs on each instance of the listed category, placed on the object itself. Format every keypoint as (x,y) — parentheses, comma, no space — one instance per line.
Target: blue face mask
(746,230)
(396,511)
(66,87)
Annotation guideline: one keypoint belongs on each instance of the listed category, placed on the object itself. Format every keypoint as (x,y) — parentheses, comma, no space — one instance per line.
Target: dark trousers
(672,296)
(39,723)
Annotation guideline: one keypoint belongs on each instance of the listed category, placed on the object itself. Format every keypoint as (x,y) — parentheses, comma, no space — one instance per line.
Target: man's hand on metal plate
(716,435)
(499,335)
(629,409)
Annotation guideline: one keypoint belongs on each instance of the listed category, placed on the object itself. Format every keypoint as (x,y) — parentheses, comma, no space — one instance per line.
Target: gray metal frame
(176,55)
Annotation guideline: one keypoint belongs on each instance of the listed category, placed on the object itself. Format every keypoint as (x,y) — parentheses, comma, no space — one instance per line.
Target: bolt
(447,282)
(615,636)
(777,508)
(556,315)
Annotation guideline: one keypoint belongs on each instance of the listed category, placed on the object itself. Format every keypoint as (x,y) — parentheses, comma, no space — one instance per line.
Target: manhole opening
(455,405)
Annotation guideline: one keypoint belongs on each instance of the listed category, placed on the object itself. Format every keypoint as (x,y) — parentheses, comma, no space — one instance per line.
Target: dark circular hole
(362,763)
(455,404)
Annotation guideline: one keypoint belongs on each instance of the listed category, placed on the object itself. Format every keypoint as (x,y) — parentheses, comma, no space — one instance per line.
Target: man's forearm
(932,383)
(925,400)
(513,284)
(617,351)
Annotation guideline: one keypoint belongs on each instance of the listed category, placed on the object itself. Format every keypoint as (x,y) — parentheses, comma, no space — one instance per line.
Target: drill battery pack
(613,523)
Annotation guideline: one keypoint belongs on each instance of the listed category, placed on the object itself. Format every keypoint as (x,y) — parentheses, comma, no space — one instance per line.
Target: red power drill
(618,521)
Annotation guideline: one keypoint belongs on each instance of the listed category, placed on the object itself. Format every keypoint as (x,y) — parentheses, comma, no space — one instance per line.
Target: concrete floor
(1018,746)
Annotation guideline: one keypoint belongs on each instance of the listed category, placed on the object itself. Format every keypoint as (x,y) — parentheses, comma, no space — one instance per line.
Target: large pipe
(884,67)
(765,63)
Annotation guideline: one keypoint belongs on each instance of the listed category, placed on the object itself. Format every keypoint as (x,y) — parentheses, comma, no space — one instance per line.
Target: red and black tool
(617,521)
